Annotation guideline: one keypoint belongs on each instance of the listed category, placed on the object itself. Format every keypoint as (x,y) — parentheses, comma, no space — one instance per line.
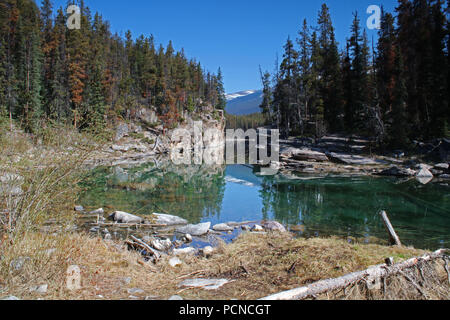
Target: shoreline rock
(195,230)
(124,217)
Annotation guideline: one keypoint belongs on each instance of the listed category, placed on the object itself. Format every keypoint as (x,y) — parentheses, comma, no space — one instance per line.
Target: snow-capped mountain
(244,102)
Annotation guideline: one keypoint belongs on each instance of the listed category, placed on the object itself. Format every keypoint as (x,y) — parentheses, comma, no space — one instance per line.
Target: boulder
(222,227)
(422,166)
(123,217)
(169,220)
(187,238)
(424,173)
(274,226)
(195,229)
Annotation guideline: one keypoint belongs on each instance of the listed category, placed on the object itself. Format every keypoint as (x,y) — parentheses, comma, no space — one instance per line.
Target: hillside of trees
(90,76)
(245,122)
(396,90)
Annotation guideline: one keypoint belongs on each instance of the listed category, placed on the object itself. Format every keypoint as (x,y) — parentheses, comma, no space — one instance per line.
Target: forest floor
(34,262)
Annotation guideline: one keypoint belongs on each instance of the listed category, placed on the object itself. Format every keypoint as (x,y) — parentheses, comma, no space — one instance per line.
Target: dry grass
(259,265)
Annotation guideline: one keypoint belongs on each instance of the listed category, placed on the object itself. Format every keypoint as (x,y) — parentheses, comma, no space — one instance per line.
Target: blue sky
(237,36)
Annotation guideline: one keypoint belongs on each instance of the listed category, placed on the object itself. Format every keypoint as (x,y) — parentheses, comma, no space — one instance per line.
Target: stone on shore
(123,217)
(169,220)
(135,291)
(274,226)
(222,227)
(195,229)
(257,228)
(207,284)
(207,251)
(175,262)
(187,238)
(42,289)
(424,173)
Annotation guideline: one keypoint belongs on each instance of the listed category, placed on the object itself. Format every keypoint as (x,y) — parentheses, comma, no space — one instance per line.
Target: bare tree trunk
(390,229)
(369,275)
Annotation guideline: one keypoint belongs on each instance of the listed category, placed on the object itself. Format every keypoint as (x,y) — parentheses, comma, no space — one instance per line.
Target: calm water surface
(341,206)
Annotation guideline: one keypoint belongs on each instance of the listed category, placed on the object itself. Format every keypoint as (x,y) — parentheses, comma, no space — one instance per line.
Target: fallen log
(369,275)
(390,229)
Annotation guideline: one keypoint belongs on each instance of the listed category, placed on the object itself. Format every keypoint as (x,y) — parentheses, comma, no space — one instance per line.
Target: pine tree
(267,94)
(286,93)
(29,66)
(305,77)
(317,109)
(398,130)
(222,100)
(360,66)
(329,70)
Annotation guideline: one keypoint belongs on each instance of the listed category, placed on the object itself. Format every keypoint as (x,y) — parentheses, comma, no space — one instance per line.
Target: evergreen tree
(286,93)
(359,78)
(222,100)
(398,130)
(267,94)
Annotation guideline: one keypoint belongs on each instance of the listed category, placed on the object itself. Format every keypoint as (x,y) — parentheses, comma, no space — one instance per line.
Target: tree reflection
(192,192)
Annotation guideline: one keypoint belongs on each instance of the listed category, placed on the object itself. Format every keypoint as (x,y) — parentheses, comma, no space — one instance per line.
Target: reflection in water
(350,207)
(327,206)
(193,192)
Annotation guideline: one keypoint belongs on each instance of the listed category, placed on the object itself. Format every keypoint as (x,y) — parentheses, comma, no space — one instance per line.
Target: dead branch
(413,283)
(392,234)
(376,272)
(139,243)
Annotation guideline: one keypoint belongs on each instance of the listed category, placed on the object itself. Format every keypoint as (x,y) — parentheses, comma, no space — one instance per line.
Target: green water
(341,206)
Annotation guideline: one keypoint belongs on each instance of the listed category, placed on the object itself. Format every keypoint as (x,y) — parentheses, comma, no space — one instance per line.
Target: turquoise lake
(347,207)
